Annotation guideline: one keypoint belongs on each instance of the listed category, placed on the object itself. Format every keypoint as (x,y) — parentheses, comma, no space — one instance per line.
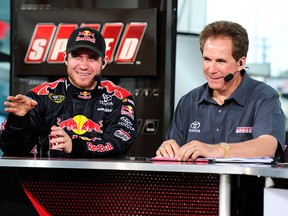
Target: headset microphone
(231,75)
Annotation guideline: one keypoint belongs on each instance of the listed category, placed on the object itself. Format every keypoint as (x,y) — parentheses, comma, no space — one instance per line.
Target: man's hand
(62,141)
(168,148)
(19,105)
(195,149)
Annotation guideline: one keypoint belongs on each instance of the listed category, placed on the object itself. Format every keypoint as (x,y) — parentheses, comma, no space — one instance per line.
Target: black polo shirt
(252,110)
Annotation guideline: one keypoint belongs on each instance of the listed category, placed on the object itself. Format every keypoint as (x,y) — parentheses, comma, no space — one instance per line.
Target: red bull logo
(128,111)
(84,95)
(80,124)
(90,126)
(69,124)
(86,33)
(99,147)
(86,36)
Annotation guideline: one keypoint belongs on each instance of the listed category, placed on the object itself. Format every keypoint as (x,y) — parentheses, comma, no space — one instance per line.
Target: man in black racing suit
(76,116)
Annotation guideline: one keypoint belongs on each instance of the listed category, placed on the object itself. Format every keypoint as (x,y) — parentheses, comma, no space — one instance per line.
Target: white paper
(244,160)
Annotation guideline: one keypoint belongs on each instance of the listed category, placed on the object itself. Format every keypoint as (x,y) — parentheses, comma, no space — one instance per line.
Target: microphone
(230,76)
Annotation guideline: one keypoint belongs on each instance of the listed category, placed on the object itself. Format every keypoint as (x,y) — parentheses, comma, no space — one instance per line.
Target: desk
(131,186)
(275,171)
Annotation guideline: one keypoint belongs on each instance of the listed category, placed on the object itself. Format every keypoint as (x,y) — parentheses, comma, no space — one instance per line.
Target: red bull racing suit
(101,122)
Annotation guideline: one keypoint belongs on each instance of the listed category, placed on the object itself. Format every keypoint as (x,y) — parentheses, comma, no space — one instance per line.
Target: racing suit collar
(81,93)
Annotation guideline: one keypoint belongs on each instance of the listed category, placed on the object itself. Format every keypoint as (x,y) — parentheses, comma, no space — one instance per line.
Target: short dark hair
(238,35)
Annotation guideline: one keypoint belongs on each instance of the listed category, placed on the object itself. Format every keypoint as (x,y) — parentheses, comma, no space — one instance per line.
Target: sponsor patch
(244,129)
(126,100)
(122,135)
(125,122)
(84,95)
(128,111)
(195,127)
(99,147)
(107,100)
(56,98)
(104,109)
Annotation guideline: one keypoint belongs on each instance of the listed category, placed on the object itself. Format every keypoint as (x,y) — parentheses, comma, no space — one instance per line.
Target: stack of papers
(244,160)
(224,160)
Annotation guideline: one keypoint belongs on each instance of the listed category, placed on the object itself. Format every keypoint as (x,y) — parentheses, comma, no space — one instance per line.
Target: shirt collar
(206,95)
(80,93)
(240,95)
(242,92)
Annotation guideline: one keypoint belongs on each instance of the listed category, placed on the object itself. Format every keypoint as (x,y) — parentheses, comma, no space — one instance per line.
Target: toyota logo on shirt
(194,127)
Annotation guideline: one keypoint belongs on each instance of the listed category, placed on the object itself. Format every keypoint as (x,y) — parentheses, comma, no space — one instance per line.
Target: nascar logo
(49,41)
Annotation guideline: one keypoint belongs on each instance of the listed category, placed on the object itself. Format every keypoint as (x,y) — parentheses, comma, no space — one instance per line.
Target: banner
(40,38)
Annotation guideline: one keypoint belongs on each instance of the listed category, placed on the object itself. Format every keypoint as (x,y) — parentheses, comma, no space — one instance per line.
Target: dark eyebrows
(221,60)
(217,60)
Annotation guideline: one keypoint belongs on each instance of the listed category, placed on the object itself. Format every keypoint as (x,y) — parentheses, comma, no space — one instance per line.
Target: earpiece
(103,62)
(66,58)
(240,63)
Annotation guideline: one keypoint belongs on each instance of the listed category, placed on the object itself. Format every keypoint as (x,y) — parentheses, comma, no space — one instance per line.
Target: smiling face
(82,66)
(218,62)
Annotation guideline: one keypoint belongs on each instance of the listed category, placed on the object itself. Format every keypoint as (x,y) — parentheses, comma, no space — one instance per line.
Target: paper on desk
(244,160)
(225,160)
(157,158)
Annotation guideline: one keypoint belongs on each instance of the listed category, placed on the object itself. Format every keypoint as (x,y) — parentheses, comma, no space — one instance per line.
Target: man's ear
(105,61)
(65,57)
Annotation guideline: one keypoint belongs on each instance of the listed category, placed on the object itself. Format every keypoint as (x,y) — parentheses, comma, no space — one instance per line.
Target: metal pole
(224,195)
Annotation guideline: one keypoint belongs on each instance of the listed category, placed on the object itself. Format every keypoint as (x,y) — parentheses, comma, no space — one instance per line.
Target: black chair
(284,157)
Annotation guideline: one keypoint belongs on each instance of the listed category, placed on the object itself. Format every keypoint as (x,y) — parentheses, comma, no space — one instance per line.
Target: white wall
(191,19)
(189,73)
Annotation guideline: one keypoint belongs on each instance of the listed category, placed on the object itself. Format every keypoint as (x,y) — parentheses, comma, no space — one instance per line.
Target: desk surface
(146,164)
(129,163)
